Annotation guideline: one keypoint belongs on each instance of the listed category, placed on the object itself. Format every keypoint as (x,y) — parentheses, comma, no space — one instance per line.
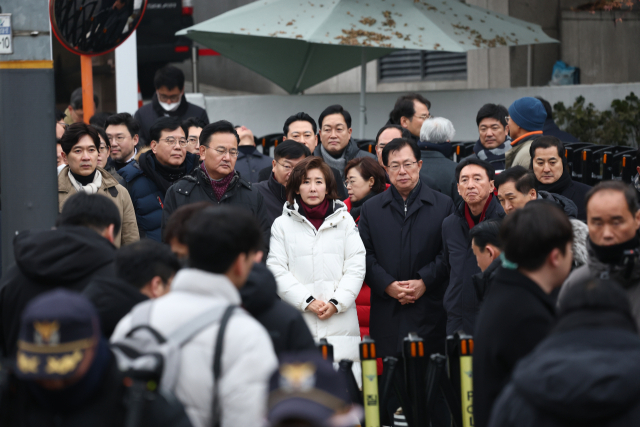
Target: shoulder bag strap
(217,364)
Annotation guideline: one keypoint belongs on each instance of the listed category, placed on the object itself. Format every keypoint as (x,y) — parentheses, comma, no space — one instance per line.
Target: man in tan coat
(80,144)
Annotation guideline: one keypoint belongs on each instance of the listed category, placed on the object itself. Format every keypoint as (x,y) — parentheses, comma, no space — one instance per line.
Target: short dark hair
(76,99)
(301,117)
(99,119)
(547,106)
(194,122)
(221,126)
(523,179)
(547,141)
(367,168)
(404,107)
(176,226)
(217,235)
(164,123)
(169,77)
(404,132)
(139,262)
(102,134)
(290,149)
(486,233)
(335,109)
(124,119)
(398,144)
(488,167)
(528,235)
(299,173)
(493,111)
(74,132)
(626,189)
(90,210)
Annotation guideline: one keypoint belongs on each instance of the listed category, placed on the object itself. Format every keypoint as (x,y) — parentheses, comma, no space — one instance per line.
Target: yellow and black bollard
(370,382)
(465,348)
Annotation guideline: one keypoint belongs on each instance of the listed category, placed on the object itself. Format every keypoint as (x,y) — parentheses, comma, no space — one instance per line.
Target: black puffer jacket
(286,327)
(68,257)
(113,298)
(582,377)
(275,196)
(565,203)
(196,187)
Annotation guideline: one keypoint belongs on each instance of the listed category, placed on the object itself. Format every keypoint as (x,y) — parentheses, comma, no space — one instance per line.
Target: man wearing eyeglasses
(156,170)
(122,131)
(402,234)
(193,127)
(216,181)
(168,101)
(410,112)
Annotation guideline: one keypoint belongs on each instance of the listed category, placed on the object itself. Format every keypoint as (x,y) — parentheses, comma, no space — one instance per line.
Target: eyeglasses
(348,183)
(423,117)
(119,139)
(407,166)
(285,167)
(172,141)
(193,140)
(172,98)
(233,152)
(103,149)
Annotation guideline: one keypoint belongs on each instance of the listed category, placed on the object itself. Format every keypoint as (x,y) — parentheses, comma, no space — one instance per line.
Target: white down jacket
(328,263)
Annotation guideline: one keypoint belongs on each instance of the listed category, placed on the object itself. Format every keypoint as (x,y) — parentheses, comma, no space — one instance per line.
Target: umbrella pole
(363,90)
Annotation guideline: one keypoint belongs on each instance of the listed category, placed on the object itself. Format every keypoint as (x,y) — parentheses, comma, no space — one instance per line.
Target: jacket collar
(201,282)
(511,277)
(525,137)
(350,152)
(65,186)
(425,195)
(255,153)
(494,210)
(599,269)
(277,189)
(339,213)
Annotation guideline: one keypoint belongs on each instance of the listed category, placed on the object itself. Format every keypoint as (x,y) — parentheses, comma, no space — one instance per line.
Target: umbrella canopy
(299,43)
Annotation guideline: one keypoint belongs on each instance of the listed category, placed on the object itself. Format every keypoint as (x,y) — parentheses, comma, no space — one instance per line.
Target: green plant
(618,126)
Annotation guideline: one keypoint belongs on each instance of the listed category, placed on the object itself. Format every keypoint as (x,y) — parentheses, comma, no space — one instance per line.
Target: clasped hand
(322,309)
(406,291)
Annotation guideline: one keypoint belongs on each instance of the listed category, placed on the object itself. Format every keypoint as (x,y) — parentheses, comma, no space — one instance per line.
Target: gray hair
(437,130)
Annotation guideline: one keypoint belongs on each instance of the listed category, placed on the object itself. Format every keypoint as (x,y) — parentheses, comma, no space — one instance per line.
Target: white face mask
(169,107)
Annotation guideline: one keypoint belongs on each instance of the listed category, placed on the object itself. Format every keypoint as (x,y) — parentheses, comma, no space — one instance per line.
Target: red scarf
(467,212)
(219,187)
(315,214)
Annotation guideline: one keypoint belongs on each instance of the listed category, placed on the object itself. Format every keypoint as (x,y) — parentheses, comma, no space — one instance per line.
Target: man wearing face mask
(613,218)
(168,100)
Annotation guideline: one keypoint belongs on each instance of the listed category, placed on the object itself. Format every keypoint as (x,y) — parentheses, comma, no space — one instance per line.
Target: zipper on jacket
(160,201)
(405,208)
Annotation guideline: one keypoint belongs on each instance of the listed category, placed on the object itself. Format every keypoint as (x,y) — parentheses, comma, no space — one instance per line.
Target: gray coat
(250,165)
(443,171)
(597,269)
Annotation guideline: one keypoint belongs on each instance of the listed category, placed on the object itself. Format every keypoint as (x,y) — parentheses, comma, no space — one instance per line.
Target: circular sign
(94,27)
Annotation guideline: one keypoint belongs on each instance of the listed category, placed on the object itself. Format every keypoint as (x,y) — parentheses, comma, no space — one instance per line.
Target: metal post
(27,125)
(363,91)
(529,64)
(194,68)
(86,72)
(127,76)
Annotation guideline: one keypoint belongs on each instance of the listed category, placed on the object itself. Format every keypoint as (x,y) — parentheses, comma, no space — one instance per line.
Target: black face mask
(616,254)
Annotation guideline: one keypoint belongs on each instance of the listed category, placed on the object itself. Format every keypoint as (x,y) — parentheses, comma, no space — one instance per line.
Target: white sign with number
(6,38)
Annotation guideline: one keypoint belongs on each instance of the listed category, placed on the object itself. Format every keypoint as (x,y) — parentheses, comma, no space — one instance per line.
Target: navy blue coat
(405,247)
(147,198)
(251,165)
(460,300)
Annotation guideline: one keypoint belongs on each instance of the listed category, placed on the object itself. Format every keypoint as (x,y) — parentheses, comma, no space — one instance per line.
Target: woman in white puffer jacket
(318,258)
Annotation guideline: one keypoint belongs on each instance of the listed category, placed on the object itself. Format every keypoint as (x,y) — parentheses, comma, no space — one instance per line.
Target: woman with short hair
(318,258)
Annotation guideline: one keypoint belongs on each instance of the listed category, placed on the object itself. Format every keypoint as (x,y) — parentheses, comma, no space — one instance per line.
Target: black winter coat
(68,257)
(551,129)
(342,190)
(515,316)
(275,197)
(583,377)
(197,188)
(113,298)
(405,247)
(576,191)
(105,407)
(482,281)
(148,114)
(250,165)
(460,300)
(287,329)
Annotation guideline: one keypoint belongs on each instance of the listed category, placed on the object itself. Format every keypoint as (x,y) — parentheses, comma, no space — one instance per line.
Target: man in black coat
(585,372)
(286,156)
(80,249)
(552,172)
(168,100)
(144,270)
(475,185)
(216,180)
(287,329)
(518,311)
(401,231)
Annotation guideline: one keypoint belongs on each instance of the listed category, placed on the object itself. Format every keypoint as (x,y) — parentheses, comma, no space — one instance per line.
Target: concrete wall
(266,114)
(604,45)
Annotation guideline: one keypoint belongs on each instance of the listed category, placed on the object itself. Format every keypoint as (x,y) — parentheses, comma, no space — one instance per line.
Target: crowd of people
(169,224)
